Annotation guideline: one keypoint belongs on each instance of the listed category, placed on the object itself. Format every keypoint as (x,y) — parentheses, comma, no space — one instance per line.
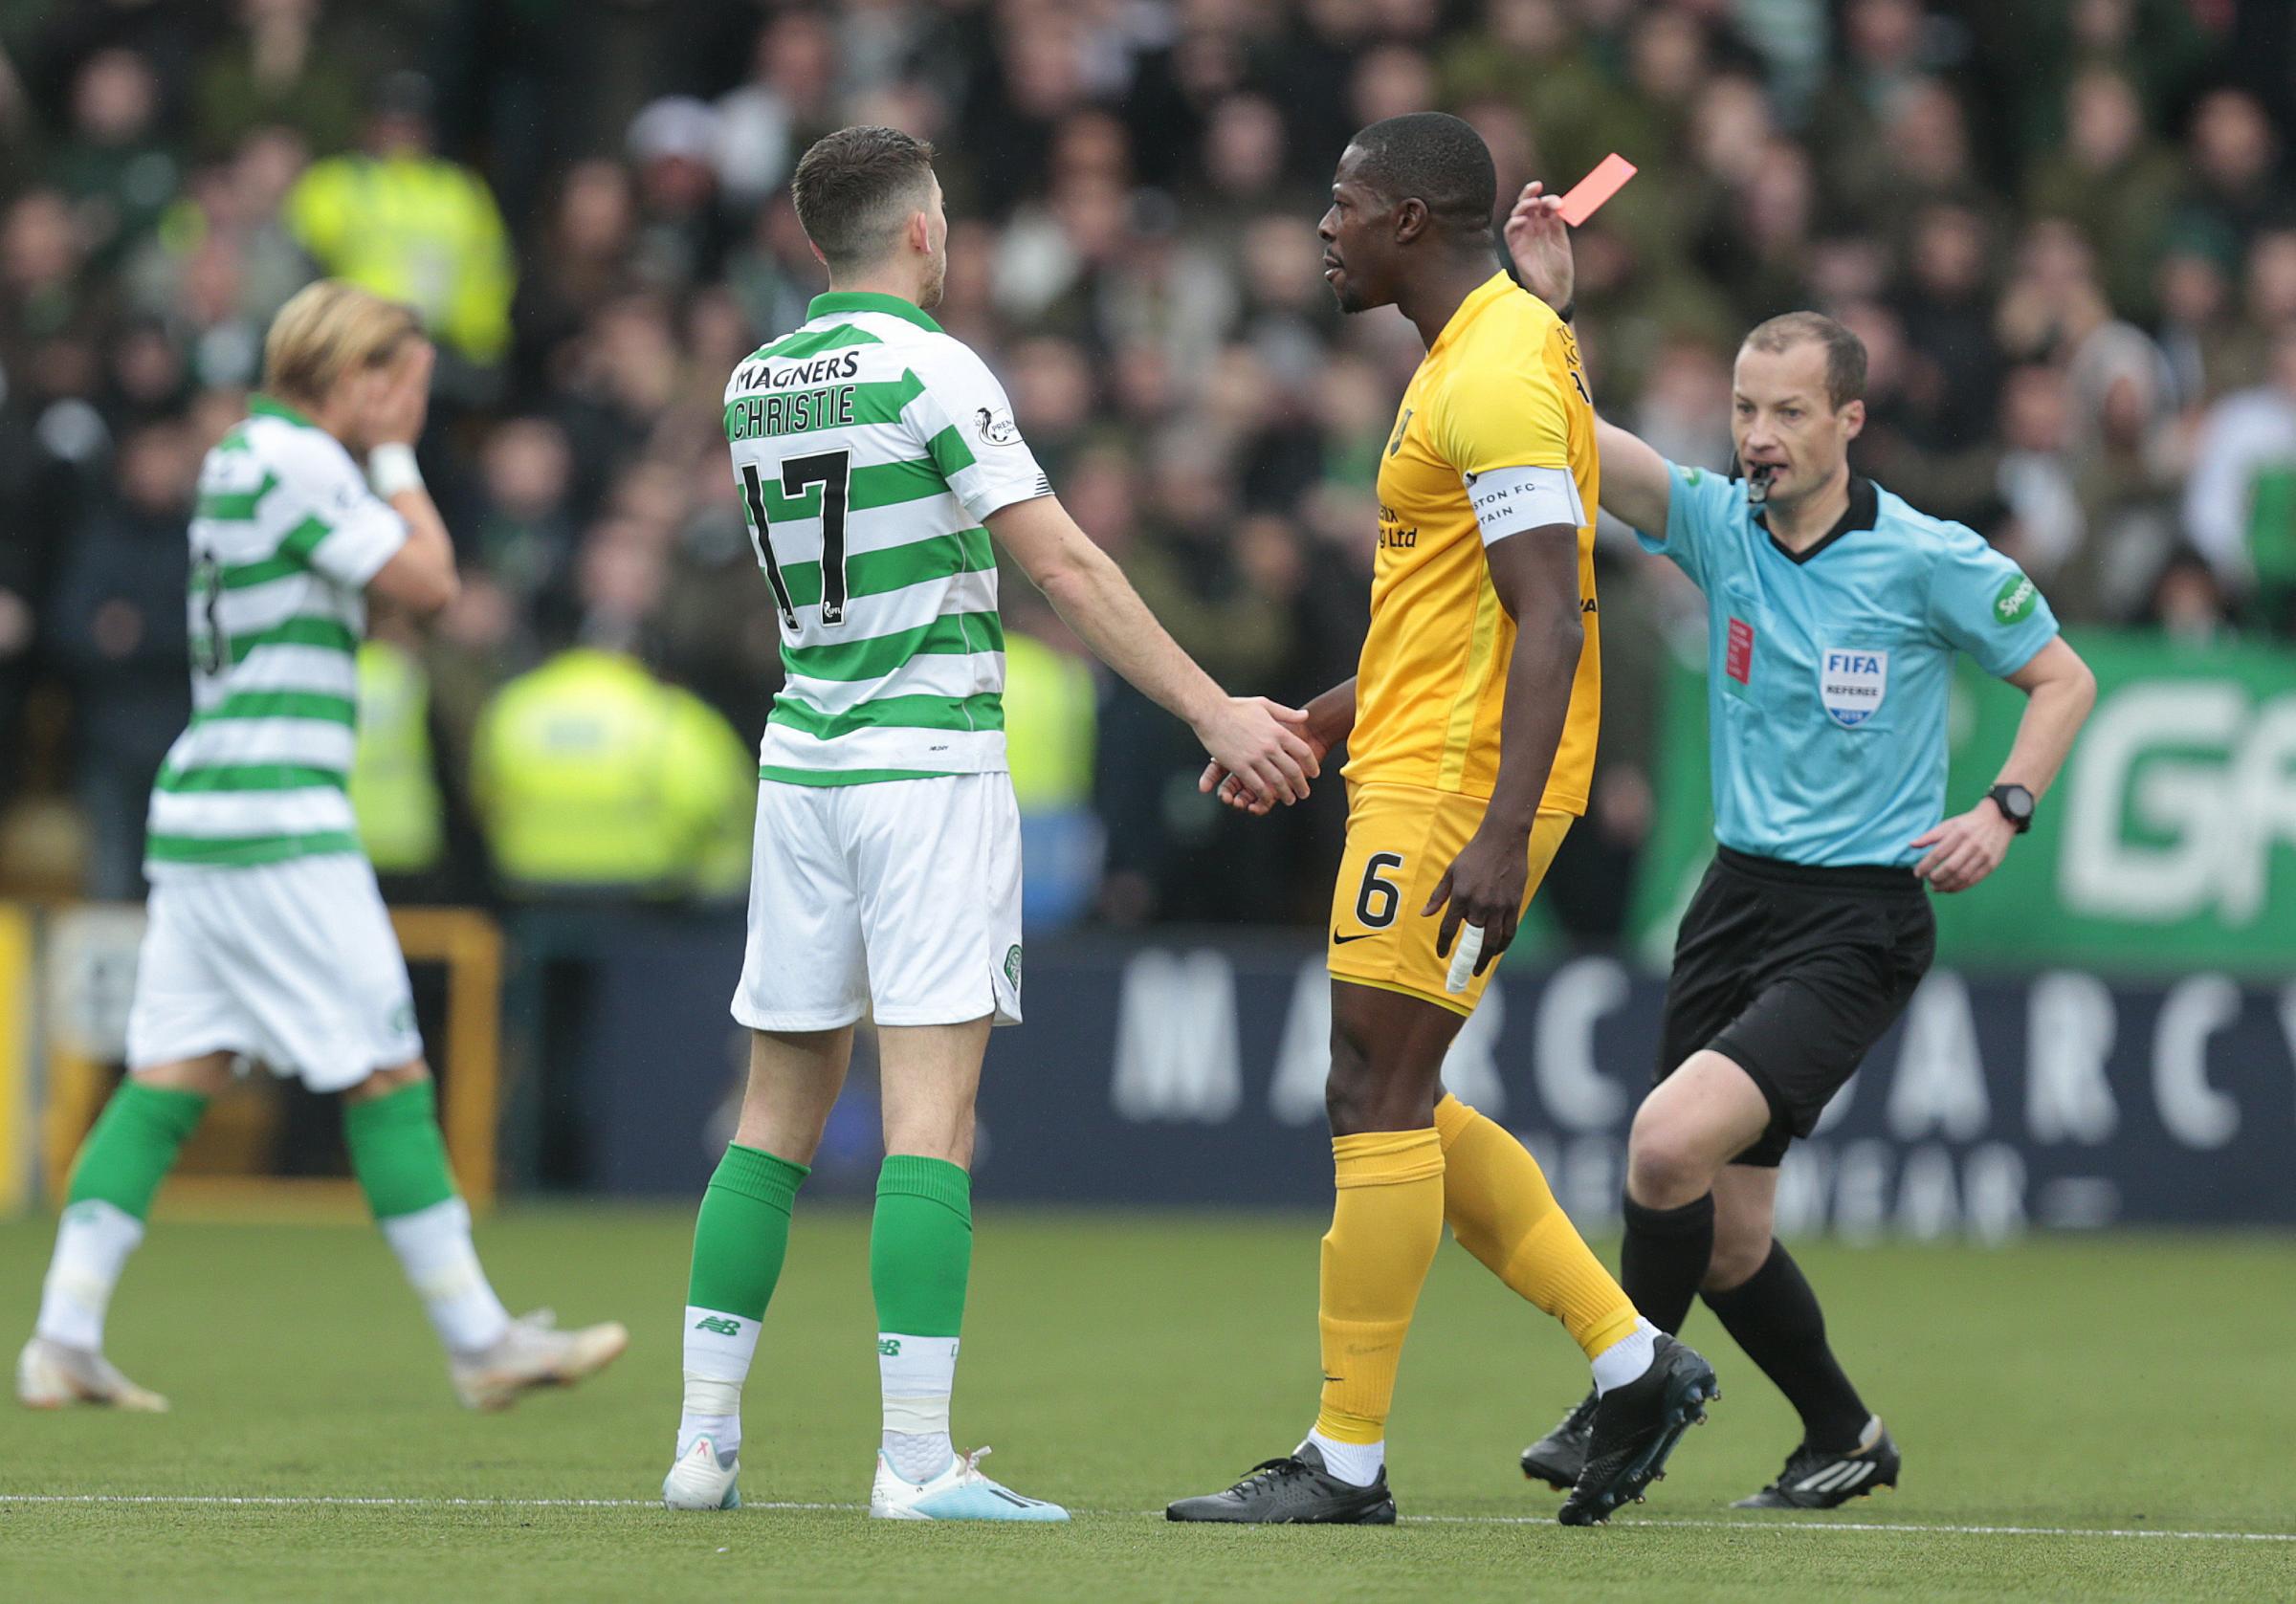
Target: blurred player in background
(1834,612)
(1471,731)
(268,940)
(876,456)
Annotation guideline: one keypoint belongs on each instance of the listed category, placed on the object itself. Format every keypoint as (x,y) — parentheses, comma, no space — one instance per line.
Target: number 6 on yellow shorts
(1399,839)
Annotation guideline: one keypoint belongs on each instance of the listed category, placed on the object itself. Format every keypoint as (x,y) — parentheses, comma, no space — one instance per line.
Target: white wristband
(390,467)
(1470,948)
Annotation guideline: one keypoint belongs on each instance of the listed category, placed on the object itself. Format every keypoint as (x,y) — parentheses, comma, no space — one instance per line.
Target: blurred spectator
(2235,155)
(581,260)
(407,222)
(1945,304)
(2270,292)
(45,295)
(2187,601)
(115,169)
(1527,52)
(592,776)
(614,385)
(122,634)
(276,70)
(1245,175)
(1885,51)
(2239,504)
(673,145)
(761,128)
(1684,412)
(2200,332)
(1050,725)
(394,786)
(2112,181)
(519,531)
(2037,489)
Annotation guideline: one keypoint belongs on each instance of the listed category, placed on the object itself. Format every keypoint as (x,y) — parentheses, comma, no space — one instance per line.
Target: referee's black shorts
(1792,973)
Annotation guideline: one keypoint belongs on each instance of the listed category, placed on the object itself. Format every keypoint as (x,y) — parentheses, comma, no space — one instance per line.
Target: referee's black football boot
(1295,1491)
(1817,1479)
(1636,1428)
(1557,1457)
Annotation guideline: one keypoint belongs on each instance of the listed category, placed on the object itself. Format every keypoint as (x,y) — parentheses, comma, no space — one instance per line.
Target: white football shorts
(900,899)
(292,964)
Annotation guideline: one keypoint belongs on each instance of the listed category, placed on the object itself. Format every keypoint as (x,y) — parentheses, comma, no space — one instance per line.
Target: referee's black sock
(1664,1257)
(1774,1317)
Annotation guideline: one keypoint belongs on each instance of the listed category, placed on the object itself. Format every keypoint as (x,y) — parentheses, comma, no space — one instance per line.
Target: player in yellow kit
(1470,726)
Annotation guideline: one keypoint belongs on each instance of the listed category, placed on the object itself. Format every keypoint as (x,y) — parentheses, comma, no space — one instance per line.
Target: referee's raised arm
(1635,486)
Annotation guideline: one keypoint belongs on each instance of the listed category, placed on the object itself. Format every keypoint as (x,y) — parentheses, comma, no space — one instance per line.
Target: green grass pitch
(2139,1384)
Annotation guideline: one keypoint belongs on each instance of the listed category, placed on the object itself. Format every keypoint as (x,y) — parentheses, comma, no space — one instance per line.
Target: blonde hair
(330,329)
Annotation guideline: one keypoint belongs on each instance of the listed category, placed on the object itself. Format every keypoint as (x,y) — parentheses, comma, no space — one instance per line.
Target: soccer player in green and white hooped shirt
(876,458)
(267,939)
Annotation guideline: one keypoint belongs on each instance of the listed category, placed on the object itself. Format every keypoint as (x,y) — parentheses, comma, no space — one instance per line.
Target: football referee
(1835,610)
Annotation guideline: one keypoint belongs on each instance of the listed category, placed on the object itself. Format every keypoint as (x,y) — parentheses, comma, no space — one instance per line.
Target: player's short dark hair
(1436,159)
(855,187)
(1844,351)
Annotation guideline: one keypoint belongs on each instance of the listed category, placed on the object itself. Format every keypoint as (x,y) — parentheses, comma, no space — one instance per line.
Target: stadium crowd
(2065,231)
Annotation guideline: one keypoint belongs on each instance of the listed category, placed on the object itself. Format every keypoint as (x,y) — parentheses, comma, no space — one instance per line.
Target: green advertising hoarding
(2168,843)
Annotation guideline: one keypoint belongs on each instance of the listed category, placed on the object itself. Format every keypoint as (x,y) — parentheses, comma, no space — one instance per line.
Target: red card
(1587,195)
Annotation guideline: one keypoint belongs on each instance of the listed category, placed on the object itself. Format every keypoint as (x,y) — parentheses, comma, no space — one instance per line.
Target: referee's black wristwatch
(2015,803)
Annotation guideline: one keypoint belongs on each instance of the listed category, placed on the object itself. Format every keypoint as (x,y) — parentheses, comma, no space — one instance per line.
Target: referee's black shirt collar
(1863,512)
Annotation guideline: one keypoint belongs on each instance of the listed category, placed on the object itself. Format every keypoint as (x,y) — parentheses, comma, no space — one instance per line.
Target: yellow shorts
(1399,839)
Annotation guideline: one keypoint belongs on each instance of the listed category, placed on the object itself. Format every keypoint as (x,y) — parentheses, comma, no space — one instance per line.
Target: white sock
(1356,1464)
(917,1375)
(92,1245)
(434,1246)
(718,1350)
(1627,1358)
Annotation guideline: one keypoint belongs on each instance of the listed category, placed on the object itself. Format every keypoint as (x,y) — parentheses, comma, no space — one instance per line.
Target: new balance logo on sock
(720,1324)
(889,1348)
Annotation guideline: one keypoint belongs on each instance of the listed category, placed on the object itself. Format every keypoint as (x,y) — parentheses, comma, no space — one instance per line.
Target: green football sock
(120,1166)
(397,1152)
(920,1245)
(400,1157)
(920,1255)
(134,1145)
(742,1233)
(739,1240)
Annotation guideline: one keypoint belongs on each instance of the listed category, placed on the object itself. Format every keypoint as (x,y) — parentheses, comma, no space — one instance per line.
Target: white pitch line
(1930,1528)
(328,1501)
(1933,1528)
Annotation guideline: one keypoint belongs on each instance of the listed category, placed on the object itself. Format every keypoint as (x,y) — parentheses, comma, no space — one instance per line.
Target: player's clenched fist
(1261,745)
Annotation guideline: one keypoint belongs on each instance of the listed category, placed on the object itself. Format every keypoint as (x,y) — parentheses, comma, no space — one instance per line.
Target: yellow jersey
(1501,387)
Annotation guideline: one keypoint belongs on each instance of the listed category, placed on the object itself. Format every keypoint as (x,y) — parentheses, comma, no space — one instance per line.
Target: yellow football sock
(1386,1222)
(1503,1212)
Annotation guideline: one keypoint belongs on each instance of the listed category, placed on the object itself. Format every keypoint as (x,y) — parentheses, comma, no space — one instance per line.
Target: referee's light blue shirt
(1828,673)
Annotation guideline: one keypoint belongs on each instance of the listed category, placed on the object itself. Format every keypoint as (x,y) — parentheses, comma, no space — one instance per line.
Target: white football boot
(958,1493)
(533,1353)
(49,1376)
(702,1479)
